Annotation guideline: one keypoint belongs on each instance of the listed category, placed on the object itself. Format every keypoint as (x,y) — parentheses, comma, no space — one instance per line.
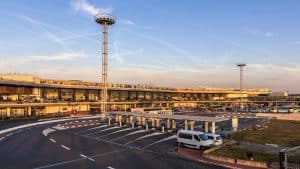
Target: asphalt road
(92,146)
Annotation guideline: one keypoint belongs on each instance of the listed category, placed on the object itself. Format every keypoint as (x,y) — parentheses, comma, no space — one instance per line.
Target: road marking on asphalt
(145,136)
(92,128)
(2,138)
(10,134)
(82,155)
(78,159)
(162,140)
(109,167)
(116,127)
(134,132)
(51,139)
(126,129)
(65,147)
(47,131)
(91,159)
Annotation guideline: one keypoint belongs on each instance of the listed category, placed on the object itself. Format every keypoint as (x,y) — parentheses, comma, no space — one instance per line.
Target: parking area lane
(29,149)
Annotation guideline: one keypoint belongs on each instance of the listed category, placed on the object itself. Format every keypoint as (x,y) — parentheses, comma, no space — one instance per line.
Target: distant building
(284,94)
(22,95)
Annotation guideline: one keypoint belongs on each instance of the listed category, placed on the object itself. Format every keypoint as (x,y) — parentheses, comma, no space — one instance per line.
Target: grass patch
(239,153)
(281,132)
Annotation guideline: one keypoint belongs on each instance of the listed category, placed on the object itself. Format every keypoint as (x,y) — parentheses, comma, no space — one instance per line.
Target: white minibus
(193,139)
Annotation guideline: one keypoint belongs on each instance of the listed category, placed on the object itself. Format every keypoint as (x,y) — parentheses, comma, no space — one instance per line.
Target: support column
(206,127)
(213,127)
(192,123)
(8,112)
(168,123)
(143,120)
(29,111)
(152,122)
(162,129)
(147,127)
(120,120)
(117,118)
(186,126)
(140,120)
(131,119)
(173,124)
(157,122)
(235,123)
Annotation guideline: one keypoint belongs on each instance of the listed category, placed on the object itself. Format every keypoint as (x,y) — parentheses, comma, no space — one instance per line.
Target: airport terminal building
(27,95)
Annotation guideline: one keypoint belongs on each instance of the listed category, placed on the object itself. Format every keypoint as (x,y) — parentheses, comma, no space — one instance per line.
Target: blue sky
(168,43)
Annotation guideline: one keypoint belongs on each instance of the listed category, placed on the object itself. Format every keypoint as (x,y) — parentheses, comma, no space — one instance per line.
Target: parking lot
(92,144)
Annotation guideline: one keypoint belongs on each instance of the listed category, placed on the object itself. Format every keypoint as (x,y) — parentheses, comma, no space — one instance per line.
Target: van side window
(210,137)
(185,136)
(196,138)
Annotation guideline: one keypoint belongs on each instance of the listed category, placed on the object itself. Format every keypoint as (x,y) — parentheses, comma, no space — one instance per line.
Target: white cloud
(55,38)
(83,5)
(126,22)
(59,57)
(27,60)
(45,26)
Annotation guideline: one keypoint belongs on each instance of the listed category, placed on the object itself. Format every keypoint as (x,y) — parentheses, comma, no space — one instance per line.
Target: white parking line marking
(65,147)
(91,159)
(134,132)
(109,167)
(82,155)
(149,135)
(145,136)
(2,138)
(126,129)
(51,139)
(47,131)
(10,134)
(162,140)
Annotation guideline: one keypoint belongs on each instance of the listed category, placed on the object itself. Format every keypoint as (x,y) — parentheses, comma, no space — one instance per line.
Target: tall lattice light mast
(104,20)
(241,66)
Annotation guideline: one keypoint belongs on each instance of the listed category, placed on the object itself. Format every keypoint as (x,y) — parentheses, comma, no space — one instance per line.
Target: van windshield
(203,137)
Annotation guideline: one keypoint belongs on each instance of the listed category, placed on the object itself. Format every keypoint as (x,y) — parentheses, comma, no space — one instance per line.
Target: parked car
(216,138)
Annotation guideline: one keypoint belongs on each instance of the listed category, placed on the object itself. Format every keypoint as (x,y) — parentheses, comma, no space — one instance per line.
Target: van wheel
(201,148)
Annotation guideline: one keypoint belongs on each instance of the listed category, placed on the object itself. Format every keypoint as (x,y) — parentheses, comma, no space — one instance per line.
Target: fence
(237,161)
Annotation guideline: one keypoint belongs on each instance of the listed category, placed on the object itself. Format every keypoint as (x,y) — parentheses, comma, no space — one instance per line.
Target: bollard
(163,129)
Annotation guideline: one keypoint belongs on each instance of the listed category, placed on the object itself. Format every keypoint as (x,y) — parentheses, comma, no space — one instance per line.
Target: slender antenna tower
(104,20)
